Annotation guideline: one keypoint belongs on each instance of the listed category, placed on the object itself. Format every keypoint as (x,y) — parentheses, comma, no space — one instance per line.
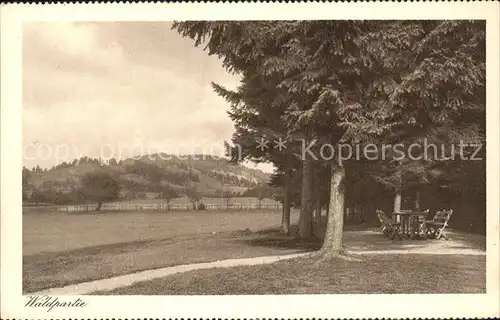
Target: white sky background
(119,89)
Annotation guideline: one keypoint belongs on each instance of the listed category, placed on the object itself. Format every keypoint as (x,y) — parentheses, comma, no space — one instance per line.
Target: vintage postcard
(250,160)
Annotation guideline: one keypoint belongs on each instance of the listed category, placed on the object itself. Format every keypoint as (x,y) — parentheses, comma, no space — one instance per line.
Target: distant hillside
(209,175)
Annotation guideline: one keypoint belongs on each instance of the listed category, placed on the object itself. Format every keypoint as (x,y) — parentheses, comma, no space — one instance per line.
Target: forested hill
(149,174)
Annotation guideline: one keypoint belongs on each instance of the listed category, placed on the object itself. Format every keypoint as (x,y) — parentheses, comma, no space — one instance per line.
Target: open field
(62,248)
(366,274)
(59,231)
(55,269)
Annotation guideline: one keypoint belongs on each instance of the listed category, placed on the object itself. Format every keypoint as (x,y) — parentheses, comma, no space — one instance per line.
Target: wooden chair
(384,225)
(388,228)
(435,227)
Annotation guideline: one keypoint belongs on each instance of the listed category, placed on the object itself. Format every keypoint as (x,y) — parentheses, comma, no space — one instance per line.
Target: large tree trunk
(332,244)
(305,218)
(285,219)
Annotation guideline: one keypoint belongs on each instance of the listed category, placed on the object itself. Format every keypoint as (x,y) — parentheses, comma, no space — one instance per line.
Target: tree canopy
(354,82)
(100,187)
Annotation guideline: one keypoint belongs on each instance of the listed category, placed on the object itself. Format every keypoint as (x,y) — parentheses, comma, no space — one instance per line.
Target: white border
(289,306)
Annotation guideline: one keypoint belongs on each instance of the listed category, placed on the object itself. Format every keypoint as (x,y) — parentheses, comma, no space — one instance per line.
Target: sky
(118,89)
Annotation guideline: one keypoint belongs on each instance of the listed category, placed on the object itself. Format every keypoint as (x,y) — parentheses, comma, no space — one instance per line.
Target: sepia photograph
(111,111)
(270,157)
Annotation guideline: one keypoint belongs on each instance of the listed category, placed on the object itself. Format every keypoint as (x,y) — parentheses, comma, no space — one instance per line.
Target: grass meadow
(61,248)
(366,274)
(63,231)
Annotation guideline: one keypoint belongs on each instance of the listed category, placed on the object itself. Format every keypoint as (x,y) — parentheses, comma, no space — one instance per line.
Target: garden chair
(384,225)
(388,228)
(435,227)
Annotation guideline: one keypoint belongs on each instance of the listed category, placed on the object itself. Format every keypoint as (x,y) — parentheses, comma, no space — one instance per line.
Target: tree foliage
(354,82)
(100,187)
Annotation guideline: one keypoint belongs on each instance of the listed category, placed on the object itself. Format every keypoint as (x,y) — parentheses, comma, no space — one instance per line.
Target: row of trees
(99,187)
(350,82)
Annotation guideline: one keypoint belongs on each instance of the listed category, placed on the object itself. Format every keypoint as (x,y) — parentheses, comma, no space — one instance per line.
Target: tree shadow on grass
(111,248)
(364,241)
(284,243)
(274,238)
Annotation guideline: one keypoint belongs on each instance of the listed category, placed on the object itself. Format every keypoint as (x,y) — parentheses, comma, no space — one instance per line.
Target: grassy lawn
(371,274)
(55,269)
(60,231)
(62,249)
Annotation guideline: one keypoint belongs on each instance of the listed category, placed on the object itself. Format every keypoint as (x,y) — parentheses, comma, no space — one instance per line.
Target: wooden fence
(172,207)
(41,208)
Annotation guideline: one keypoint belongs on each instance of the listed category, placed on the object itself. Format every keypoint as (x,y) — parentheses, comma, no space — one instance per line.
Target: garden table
(412,223)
